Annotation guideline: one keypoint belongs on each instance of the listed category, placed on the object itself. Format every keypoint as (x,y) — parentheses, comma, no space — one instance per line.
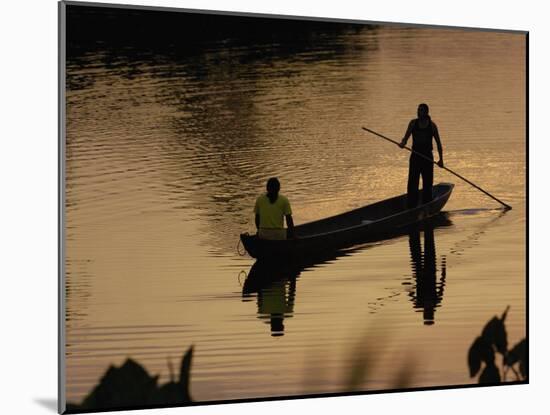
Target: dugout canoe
(366,224)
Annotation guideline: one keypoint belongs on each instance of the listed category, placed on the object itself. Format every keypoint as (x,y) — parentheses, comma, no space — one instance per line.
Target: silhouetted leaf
(480,350)
(516,354)
(185,367)
(185,373)
(494,332)
(503,317)
(490,375)
(362,363)
(474,358)
(176,393)
(501,340)
(495,338)
(357,374)
(170,393)
(523,368)
(404,376)
(131,385)
(489,329)
(128,385)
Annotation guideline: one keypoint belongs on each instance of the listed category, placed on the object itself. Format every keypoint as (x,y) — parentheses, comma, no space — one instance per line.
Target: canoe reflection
(274,283)
(427,292)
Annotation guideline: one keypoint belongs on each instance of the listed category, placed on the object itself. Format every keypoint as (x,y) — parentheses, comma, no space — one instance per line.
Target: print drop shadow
(50,404)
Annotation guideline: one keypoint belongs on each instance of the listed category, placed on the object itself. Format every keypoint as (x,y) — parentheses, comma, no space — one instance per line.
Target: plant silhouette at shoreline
(484,350)
(130,385)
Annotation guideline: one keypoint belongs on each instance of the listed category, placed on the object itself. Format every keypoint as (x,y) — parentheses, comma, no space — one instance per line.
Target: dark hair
(273,186)
(425,106)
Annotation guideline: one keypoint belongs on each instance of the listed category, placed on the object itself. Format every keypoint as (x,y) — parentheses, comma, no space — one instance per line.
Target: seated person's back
(271,209)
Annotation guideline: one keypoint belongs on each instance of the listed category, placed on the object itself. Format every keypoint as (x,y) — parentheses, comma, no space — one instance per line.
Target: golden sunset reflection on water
(165,157)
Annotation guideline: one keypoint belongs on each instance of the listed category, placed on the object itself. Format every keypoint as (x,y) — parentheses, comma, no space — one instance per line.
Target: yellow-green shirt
(272,214)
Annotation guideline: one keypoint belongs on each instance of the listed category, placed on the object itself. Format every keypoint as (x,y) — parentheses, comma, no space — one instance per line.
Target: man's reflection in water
(429,293)
(277,303)
(276,293)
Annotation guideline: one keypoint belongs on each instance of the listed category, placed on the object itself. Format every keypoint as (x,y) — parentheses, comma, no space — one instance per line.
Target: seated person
(270,209)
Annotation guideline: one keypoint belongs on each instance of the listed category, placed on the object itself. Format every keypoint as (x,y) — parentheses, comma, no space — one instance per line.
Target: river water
(167,151)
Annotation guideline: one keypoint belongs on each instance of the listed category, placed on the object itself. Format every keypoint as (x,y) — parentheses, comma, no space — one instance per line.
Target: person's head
(423,110)
(273,186)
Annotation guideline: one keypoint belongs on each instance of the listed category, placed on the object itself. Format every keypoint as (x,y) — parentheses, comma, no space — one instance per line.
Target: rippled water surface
(166,153)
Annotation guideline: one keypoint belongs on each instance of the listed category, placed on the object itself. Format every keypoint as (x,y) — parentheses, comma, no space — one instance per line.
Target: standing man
(423,129)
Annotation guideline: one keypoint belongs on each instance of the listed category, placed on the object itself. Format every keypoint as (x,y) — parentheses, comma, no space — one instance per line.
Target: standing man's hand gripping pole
(439,147)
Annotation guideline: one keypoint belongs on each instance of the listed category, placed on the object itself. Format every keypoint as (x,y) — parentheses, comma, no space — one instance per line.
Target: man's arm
(407,134)
(290,226)
(438,143)
(257,214)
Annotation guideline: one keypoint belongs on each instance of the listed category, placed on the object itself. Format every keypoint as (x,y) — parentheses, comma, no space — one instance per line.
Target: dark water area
(190,32)
(170,142)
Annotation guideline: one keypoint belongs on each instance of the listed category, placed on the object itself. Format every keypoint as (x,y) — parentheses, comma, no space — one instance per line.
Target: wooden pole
(506,206)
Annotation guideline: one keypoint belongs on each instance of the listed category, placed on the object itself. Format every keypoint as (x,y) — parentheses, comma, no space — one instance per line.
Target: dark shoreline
(89,25)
